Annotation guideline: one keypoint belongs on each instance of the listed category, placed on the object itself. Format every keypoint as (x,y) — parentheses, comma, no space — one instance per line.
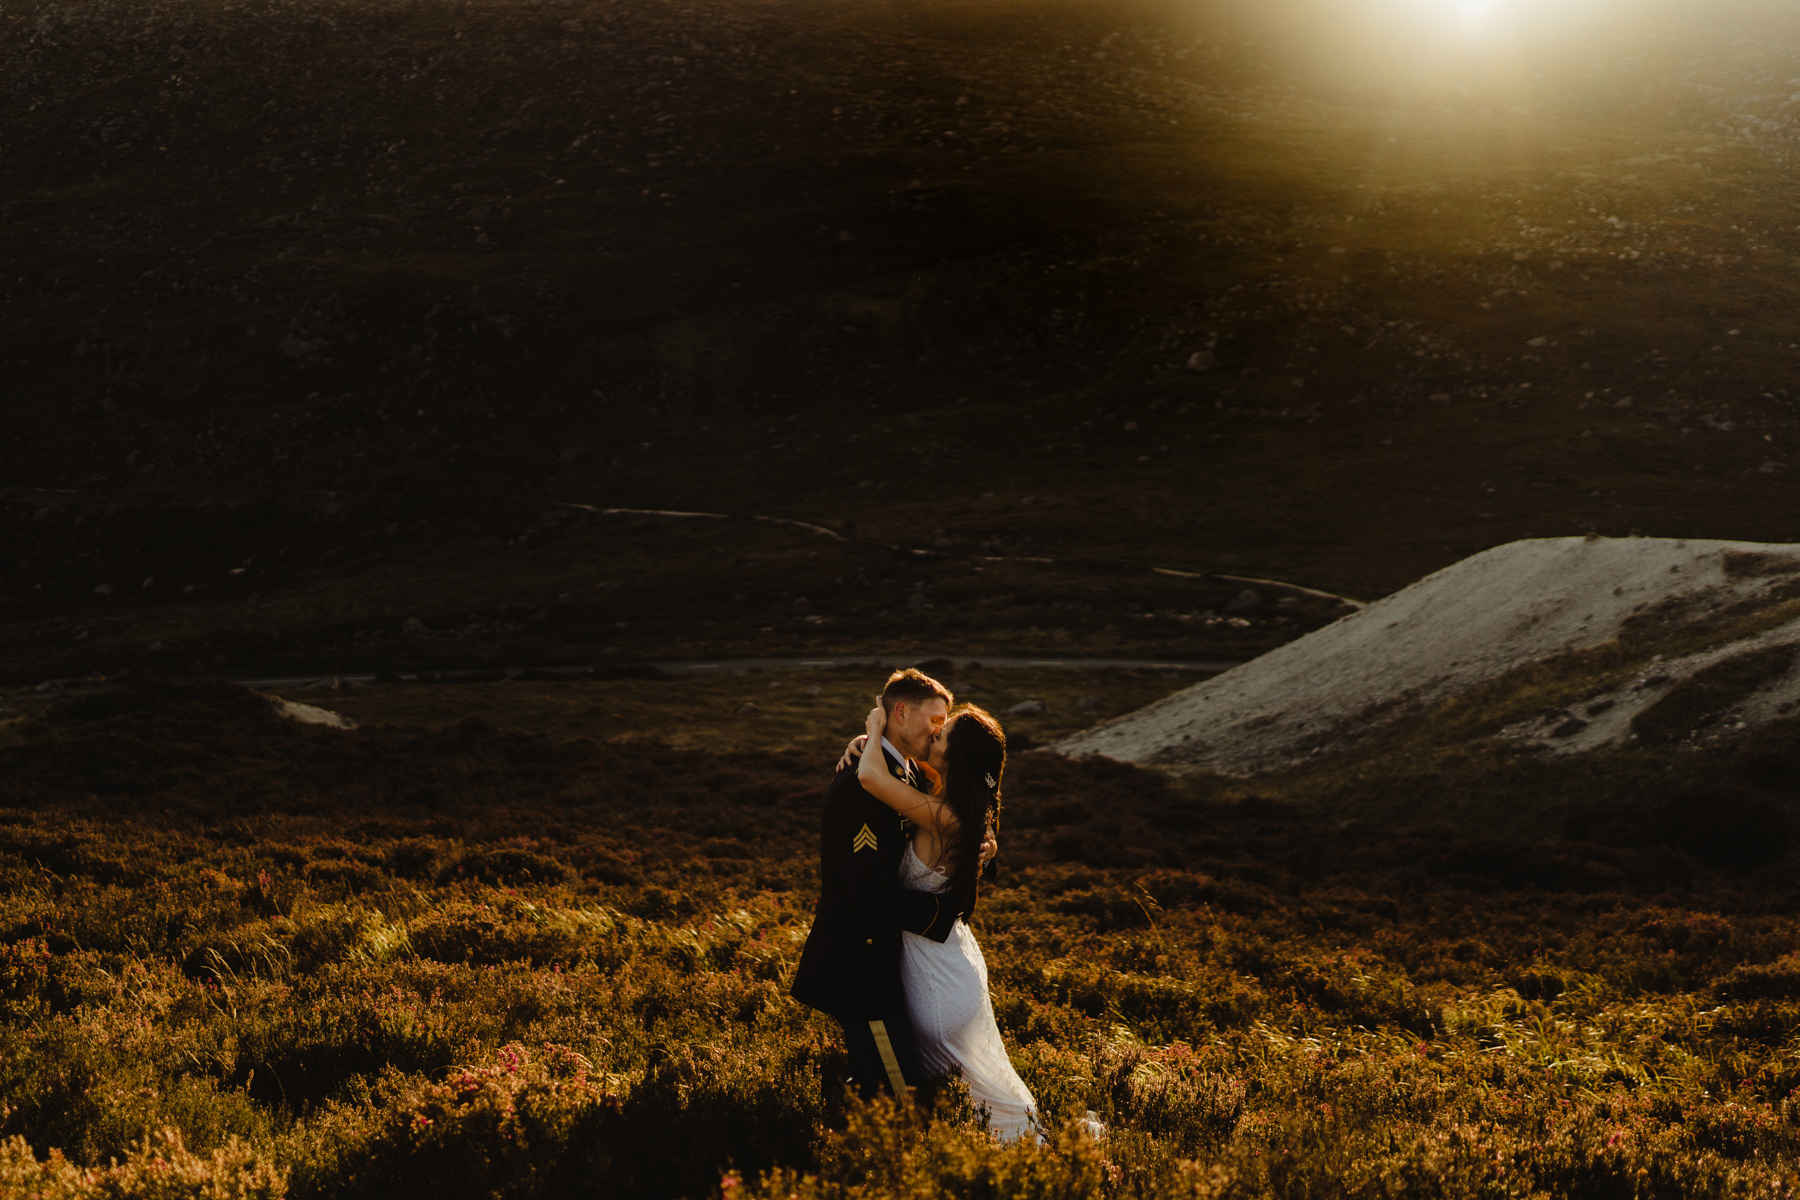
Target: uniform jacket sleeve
(877,884)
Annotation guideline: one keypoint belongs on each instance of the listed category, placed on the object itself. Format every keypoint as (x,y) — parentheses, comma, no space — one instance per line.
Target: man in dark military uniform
(850,967)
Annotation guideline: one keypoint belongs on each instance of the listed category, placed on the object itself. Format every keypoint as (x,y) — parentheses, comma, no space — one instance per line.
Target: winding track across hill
(66,687)
(813,527)
(730,665)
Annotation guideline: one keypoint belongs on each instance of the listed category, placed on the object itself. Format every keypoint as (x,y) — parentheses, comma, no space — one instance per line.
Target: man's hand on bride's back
(853,751)
(990,846)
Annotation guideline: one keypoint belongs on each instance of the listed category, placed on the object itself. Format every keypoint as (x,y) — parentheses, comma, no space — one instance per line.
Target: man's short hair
(913,686)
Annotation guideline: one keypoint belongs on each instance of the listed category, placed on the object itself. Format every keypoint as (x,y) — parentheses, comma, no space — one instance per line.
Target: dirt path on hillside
(678,670)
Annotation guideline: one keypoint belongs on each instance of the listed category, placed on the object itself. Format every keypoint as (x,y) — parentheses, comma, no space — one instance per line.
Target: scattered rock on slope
(308,714)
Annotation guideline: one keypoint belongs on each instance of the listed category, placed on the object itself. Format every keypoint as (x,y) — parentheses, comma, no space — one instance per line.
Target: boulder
(1246,601)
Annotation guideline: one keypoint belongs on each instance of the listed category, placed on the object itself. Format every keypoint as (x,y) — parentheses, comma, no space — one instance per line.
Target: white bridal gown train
(947,998)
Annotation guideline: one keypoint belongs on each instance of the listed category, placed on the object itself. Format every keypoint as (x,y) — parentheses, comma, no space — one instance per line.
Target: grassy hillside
(460,957)
(319,314)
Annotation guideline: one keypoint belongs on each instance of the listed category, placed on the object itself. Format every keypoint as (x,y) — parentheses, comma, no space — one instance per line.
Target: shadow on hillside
(218,758)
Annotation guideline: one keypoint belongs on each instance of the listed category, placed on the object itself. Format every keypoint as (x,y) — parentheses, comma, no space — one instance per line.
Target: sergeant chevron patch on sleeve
(864,840)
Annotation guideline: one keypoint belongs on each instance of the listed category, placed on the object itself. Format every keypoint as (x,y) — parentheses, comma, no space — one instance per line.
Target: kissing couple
(908,831)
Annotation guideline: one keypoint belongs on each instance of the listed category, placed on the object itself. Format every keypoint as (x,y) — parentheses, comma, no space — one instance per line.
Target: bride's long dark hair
(974,769)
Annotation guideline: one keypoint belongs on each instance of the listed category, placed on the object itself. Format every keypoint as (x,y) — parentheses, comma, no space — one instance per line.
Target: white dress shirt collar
(905,762)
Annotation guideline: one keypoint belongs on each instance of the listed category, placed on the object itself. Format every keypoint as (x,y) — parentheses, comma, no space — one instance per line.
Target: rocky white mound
(1468,624)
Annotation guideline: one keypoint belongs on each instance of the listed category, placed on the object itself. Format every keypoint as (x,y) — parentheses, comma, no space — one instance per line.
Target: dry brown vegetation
(811,710)
(475,960)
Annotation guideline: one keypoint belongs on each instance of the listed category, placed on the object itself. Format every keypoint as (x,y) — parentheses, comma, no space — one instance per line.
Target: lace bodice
(914,874)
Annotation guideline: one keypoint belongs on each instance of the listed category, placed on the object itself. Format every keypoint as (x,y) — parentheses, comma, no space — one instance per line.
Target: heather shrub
(319,936)
(906,1150)
(596,1003)
(508,865)
(1779,980)
(1191,1101)
(524,1123)
(25,968)
(1726,826)
(1772,757)
(158,1168)
(508,930)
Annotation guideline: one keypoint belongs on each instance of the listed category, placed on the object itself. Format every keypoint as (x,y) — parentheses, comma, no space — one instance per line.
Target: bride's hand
(877,722)
(853,751)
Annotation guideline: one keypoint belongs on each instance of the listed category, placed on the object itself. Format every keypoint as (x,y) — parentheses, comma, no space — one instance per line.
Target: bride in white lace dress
(947,983)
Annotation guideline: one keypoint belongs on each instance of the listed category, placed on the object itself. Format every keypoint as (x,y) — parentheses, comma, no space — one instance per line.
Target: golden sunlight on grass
(472,960)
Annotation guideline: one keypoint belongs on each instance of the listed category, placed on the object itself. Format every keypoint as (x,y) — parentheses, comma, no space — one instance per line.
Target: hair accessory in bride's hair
(991,781)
